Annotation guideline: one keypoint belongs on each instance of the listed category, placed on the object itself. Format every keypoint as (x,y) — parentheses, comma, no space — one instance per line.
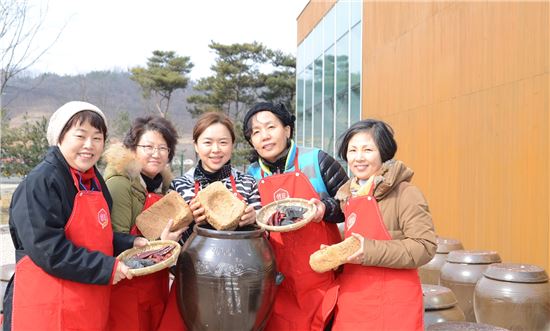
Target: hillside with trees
(114,92)
(242,74)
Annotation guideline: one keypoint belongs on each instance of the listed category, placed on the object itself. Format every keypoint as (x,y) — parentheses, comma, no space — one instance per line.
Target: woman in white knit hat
(61,229)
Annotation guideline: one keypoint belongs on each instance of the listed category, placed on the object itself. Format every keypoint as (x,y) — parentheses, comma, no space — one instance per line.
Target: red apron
(375,298)
(171,319)
(46,302)
(138,303)
(305,299)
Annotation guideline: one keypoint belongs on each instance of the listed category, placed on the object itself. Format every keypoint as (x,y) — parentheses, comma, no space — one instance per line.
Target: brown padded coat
(407,218)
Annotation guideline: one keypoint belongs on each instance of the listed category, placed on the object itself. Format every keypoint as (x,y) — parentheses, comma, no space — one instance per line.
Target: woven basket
(151,246)
(268,210)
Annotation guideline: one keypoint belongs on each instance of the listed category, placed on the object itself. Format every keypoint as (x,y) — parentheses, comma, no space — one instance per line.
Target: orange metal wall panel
(465,86)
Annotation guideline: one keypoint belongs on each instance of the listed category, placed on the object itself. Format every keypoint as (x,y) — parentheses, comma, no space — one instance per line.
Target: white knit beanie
(63,114)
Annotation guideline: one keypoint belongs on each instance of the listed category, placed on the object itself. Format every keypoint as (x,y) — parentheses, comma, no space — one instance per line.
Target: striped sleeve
(185,186)
(248,188)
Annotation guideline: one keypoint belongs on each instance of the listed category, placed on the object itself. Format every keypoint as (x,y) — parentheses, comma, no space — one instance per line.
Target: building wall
(465,85)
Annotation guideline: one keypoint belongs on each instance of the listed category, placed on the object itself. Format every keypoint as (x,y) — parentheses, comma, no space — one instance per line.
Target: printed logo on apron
(351,220)
(103,218)
(280,194)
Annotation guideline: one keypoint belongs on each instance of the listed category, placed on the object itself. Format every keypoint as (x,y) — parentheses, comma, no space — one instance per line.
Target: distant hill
(112,91)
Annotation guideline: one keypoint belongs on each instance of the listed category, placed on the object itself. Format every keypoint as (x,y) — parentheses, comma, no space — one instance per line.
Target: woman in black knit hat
(285,171)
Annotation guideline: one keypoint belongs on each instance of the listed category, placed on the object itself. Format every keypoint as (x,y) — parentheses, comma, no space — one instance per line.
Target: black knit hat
(278,110)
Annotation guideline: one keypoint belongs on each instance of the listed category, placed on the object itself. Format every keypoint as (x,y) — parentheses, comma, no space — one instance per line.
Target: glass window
(342,18)
(318,101)
(308,108)
(355,74)
(328,97)
(300,59)
(329,80)
(299,109)
(356,11)
(328,30)
(342,75)
(317,45)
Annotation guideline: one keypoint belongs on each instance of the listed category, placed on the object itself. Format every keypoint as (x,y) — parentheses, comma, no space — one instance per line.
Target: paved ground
(6,246)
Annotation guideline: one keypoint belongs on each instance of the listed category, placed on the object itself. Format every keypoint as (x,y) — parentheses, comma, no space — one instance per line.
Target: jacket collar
(391,174)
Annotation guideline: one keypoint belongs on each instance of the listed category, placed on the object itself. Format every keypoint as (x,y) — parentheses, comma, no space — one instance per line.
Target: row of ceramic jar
(513,296)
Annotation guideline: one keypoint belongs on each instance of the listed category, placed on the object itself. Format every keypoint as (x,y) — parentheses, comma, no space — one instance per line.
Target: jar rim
(246,232)
(437,297)
(446,245)
(516,273)
(473,257)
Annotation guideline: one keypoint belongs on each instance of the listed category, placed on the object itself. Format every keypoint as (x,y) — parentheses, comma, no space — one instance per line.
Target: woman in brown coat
(379,287)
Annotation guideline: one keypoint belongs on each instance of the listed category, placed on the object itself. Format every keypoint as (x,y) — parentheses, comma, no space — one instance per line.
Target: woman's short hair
(85,116)
(381,133)
(210,118)
(152,123)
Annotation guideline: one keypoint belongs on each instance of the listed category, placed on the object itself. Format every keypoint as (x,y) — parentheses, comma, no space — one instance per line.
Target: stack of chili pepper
(285,215)
(148,258)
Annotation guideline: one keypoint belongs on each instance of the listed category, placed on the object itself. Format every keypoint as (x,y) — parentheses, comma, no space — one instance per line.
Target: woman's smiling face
(214,147)
(82,146)
(268,135)
(363,156)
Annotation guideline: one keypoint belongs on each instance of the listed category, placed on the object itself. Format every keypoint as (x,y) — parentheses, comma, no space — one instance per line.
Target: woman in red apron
(379,286)
(137,176)
(305,299)
(61,229)
(214,138)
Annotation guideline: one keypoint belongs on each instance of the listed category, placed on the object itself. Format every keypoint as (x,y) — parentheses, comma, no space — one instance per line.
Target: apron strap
(296,166)
(78,182)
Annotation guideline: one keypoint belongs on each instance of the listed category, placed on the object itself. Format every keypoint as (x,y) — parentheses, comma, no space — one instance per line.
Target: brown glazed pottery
(514,296)
(461,272)
(440,305)
(226,279)
(463,326)
(430,272)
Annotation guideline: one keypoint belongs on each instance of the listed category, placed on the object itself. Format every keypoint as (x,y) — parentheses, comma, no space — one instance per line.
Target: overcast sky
(118,34)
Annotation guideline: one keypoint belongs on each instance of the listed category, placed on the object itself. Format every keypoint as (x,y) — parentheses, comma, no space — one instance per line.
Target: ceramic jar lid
(473,257)
(437,297)
(516,272)
(6,271)
(446,245)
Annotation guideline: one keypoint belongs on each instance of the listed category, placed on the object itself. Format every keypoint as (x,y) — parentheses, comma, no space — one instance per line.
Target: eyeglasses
(148,149)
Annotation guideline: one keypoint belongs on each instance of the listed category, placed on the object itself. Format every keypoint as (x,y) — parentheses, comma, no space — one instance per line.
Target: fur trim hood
(122,162)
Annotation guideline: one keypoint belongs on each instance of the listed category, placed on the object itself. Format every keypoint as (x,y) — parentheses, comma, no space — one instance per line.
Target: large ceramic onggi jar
(514,296)
(464,326)
(440,305)
(226,279)
(460,274)
(430,272)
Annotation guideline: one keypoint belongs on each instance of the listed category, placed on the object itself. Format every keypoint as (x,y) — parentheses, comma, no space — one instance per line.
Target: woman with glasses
(213,137)
(137,176)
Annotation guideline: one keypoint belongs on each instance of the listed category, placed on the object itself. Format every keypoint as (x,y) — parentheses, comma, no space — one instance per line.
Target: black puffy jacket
(40,208)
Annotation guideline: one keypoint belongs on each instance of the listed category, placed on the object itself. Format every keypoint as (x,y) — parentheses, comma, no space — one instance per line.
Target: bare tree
(18,36)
